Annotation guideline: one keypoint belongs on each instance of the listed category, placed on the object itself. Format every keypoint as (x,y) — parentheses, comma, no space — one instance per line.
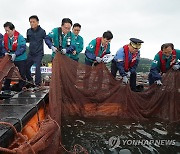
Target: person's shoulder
(41,29)
(29,30)
(92,44)
(80,36)
(178,50)
(21,38)
(120,50)
(71,34)
(93,41)
(1,36)
(55,29)
(156,57)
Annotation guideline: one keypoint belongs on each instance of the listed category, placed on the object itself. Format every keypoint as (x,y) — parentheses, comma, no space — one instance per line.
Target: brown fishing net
(77,89)
(92,92)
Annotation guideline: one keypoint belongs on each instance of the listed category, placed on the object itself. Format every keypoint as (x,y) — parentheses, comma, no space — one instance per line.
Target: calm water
(112,136)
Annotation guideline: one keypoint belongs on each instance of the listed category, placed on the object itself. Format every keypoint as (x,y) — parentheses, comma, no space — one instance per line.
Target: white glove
(128,74)
(7,53)
(176,67)
(13,56)
(158,82)
(63,51)
(125,80)
(54,49)
(98,59)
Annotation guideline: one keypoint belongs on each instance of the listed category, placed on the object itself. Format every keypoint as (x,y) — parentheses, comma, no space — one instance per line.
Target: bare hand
(74,52)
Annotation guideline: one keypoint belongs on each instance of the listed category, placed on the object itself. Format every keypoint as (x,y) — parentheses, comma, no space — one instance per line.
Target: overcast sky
(154,21)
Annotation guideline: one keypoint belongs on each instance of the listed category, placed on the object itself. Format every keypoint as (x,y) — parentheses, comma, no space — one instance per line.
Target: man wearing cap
(166,58)
(126,61)
(97,48)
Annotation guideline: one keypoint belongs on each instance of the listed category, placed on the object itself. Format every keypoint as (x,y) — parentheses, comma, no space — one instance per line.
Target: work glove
(176,67)
(98,59)
(125,80)
(13,57)
(7,53)
(63,51)
(54,49)
(158,82)
(128,74)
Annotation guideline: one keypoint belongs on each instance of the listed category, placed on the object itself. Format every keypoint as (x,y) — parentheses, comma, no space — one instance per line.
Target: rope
(22,137)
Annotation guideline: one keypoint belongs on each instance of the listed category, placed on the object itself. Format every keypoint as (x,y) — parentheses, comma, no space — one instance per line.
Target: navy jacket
(35,40)
(1,40)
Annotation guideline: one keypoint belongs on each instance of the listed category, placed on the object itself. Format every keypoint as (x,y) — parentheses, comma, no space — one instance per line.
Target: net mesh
(77,89)
(84,91)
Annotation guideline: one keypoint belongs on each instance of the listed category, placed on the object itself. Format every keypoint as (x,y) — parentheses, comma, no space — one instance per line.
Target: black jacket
(35,40)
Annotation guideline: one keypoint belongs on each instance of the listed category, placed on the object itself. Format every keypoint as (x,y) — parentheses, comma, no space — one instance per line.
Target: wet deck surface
(112,136)
(18,110)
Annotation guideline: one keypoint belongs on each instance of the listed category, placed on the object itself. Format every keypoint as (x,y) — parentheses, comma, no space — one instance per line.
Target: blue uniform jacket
(120,60)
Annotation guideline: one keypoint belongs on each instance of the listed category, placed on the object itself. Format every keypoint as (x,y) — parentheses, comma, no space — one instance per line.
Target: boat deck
(18,110)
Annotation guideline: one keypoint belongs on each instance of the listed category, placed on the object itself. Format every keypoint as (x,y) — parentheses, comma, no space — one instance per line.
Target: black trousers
(22,70)
(133,75)
(37,61)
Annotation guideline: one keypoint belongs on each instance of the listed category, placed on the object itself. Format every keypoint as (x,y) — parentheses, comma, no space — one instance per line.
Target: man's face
(132,49)
(167,52)
(66,28)
(34,23)
(76,30)
(105,41)
(9,32)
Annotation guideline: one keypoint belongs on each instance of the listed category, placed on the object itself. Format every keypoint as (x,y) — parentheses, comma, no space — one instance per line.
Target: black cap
(136,43)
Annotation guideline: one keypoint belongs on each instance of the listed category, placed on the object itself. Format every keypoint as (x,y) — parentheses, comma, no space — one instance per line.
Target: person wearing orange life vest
(166,58)
(126,61)
(14,44)
(97,48)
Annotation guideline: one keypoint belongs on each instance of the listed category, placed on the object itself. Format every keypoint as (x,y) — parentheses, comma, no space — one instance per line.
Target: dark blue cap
(136,43)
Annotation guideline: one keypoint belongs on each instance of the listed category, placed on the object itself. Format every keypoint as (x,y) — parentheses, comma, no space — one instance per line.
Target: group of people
(70,43)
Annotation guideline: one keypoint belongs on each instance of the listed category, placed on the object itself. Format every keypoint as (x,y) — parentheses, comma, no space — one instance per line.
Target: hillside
(144,64)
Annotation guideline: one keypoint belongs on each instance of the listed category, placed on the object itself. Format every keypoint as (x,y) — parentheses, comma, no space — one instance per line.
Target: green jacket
(54,35)
(92,47)
(21,48)
(157,64)
(79,44)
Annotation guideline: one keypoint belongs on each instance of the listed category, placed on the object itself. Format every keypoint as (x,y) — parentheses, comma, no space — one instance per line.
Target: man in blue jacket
(166,58)
(35,37)
(126,61)
(79,43)
(61,39)
(14,44)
